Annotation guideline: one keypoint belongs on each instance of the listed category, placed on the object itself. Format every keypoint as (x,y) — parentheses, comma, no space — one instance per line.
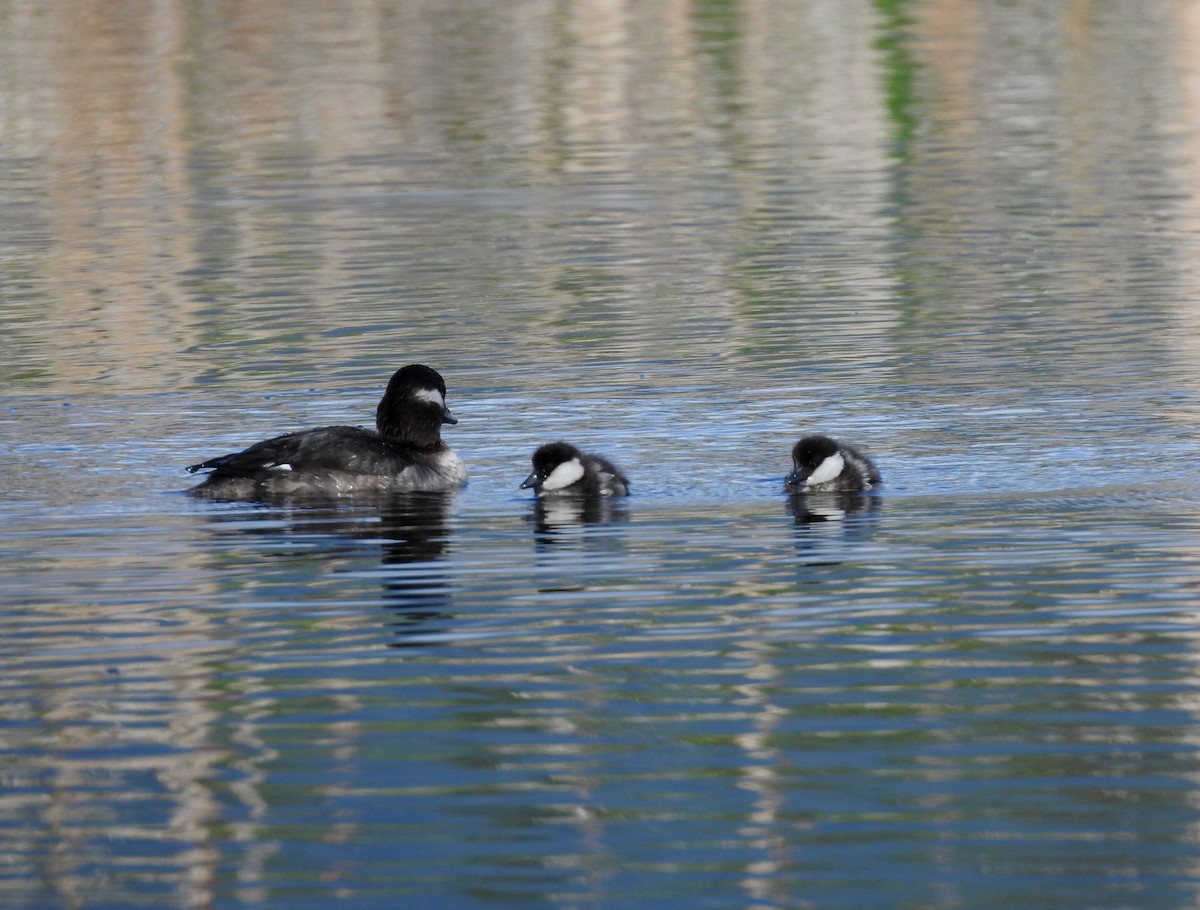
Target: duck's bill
(795,481)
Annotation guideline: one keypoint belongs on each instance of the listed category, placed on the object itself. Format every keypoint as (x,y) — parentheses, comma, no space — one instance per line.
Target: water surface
(961,235)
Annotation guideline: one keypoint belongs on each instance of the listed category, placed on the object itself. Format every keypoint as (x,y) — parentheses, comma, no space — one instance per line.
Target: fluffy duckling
(824,465)
(560,469)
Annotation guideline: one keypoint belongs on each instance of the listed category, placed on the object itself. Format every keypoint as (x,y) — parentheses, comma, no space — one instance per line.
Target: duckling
(560,469)
(824,465)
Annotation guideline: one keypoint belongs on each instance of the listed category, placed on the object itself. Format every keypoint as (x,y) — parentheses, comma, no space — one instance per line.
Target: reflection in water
(807,508)
(826,521)
(412,530)
(558,521)
(966,226)
(415,536)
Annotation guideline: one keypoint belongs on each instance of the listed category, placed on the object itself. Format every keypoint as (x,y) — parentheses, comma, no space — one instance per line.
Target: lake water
(963,235)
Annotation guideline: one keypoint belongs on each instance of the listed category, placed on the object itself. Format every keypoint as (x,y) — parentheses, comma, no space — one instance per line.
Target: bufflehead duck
(404,454)
(560,469)
(824,465)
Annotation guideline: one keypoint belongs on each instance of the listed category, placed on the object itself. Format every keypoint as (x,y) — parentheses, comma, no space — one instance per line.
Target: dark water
(962,235)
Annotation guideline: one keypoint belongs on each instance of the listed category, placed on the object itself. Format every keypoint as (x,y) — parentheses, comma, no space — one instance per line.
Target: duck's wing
(351,449)
(865,466)
(609,478)
(863,463)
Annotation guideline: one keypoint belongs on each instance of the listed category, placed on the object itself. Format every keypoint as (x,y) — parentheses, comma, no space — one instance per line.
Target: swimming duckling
(560,469)
(824,465)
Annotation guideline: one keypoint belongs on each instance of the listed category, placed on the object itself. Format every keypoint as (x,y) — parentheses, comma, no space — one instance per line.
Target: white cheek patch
(827,470)
(279,467)
(564,475)
(433,396)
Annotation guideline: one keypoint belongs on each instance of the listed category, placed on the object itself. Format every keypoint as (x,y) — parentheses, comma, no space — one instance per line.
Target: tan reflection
(627,67)
(114,103)
(721,130)
(816,124)
(1185,343)
(85,711)
(1038,163)
(153,131)
(765,879)
(163,141)
(100,105)
(1185,130)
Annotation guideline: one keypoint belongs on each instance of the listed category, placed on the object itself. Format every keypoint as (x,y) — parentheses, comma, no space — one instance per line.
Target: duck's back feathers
(324,449)
(603,477)
(865,466)
(330,461)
